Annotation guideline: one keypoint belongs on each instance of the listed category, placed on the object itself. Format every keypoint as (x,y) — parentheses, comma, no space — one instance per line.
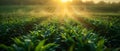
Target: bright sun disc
(66,1)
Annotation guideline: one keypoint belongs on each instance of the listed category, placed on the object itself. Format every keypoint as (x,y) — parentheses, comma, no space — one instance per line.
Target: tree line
(42,2)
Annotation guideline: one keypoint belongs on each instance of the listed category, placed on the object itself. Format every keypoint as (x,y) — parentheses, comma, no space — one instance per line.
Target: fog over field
(103,0)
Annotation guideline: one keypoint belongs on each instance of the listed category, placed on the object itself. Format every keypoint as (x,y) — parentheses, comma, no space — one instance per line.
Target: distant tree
(77,2)
(102,3)
(89,2)
(24,2)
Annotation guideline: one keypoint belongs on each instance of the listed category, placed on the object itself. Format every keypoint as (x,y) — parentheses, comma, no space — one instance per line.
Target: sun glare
(64,1)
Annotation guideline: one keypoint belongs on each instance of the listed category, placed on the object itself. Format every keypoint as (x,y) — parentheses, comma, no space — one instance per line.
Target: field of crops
(41,28)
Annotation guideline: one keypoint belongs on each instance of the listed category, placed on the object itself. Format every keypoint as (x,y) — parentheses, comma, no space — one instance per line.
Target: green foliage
(100,45)
(32,33)
(42,47)
(6,48)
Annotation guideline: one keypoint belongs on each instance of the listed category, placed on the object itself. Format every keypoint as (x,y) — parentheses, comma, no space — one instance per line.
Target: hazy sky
(104,0)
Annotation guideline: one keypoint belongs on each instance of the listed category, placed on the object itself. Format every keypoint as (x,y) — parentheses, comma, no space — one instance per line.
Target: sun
(64,1)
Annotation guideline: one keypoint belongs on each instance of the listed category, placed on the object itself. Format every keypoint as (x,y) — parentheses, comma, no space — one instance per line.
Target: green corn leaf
(100,45)
(40,46)
(7,48)
(71,48)
(49,46)
(18,41)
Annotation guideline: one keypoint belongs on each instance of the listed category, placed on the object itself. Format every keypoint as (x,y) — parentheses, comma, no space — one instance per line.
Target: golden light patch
(64,1)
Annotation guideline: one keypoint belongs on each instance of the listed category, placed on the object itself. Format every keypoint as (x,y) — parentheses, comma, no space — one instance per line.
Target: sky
(103,0)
